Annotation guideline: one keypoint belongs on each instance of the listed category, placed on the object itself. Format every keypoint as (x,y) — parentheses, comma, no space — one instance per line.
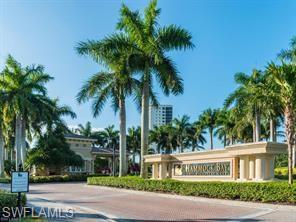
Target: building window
(77,144)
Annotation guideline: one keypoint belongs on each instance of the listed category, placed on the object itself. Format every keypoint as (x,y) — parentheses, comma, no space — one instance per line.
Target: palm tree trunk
(1,153)
(122,138)
(272,129)
(144,126)
(258,126)
(254,132)
(289,125)
(6,152)
(134,158)
(24,144)
(294,156)
(211,137)
(18,142)
(224,140)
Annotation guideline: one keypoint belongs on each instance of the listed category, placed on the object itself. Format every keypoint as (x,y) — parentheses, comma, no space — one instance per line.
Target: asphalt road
(94,203)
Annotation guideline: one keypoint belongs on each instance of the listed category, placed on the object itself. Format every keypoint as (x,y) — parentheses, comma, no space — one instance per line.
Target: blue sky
(230,36)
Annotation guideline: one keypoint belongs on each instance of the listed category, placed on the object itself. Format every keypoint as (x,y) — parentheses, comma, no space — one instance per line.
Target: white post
(260,168)
(163,171)
(271,167)
(155,171)
(251,168)
(242,168)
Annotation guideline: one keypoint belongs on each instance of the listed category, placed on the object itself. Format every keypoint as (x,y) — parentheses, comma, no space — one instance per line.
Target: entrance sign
(19,182)
(203,169)
(239,162)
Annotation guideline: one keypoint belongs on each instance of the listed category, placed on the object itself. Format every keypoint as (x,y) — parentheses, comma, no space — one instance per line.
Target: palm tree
(196,136)
(149,43)
(134,141)
(208,119)
(226,127)
(111,141)
(158,135)
(116,84)
(250,98)
(2,143)
(84,130)
(165,137)
(182,127)
(24,89)
(285,77)
(289,55)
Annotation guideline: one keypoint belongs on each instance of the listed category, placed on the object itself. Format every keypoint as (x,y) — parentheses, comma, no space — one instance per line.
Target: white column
(155,170)
(163,170)
(251,168)
(269,167)
(243,168)
(260,168)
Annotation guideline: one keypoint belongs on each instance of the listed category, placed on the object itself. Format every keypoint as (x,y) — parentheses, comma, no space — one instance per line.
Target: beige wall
(82,148)
(248,162)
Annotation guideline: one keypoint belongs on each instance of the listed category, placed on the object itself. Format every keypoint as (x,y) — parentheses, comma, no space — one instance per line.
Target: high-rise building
(160,115)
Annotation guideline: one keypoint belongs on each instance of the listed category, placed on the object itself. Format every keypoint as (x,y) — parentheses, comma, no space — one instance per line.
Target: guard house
(242,162)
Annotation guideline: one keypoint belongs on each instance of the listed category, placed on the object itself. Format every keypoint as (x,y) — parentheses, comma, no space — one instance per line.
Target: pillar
(243,168)
(235,168)
(155,170)
(163,170)
(260,168)
(251,168)
(269,167)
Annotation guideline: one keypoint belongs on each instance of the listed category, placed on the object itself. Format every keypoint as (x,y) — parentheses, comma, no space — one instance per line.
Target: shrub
(55,178)
(10,199)
(250,191)
(282,173)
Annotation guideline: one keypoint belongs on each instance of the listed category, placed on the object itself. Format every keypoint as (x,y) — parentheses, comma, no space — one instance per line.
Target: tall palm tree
(285,77)
(25,89)
(149,43)
(289,55)
(182,127)
(134,141)
(208,119)
(2,143)
(116,84)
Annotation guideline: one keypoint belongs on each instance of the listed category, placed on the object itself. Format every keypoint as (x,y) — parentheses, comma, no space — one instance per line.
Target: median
(268,192)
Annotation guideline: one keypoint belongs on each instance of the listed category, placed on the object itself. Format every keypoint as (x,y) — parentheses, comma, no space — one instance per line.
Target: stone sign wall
(203,169)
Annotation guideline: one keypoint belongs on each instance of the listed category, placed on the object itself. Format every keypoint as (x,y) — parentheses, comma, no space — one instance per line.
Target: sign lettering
(203,169)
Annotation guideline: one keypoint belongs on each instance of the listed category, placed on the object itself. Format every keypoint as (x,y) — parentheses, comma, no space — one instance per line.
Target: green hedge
(250,191)
(10,199)
(56,178)
(282,173)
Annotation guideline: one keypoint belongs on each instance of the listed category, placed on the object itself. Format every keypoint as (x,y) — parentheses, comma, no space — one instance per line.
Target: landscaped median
(55,178)
(276,192)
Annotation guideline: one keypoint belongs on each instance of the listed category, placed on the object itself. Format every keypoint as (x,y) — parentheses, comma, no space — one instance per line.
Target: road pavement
(94,203)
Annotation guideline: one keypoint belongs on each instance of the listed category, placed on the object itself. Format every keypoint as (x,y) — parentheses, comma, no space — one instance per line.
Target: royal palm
(284,76)
(24,88)
(149,43)
(116,84)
